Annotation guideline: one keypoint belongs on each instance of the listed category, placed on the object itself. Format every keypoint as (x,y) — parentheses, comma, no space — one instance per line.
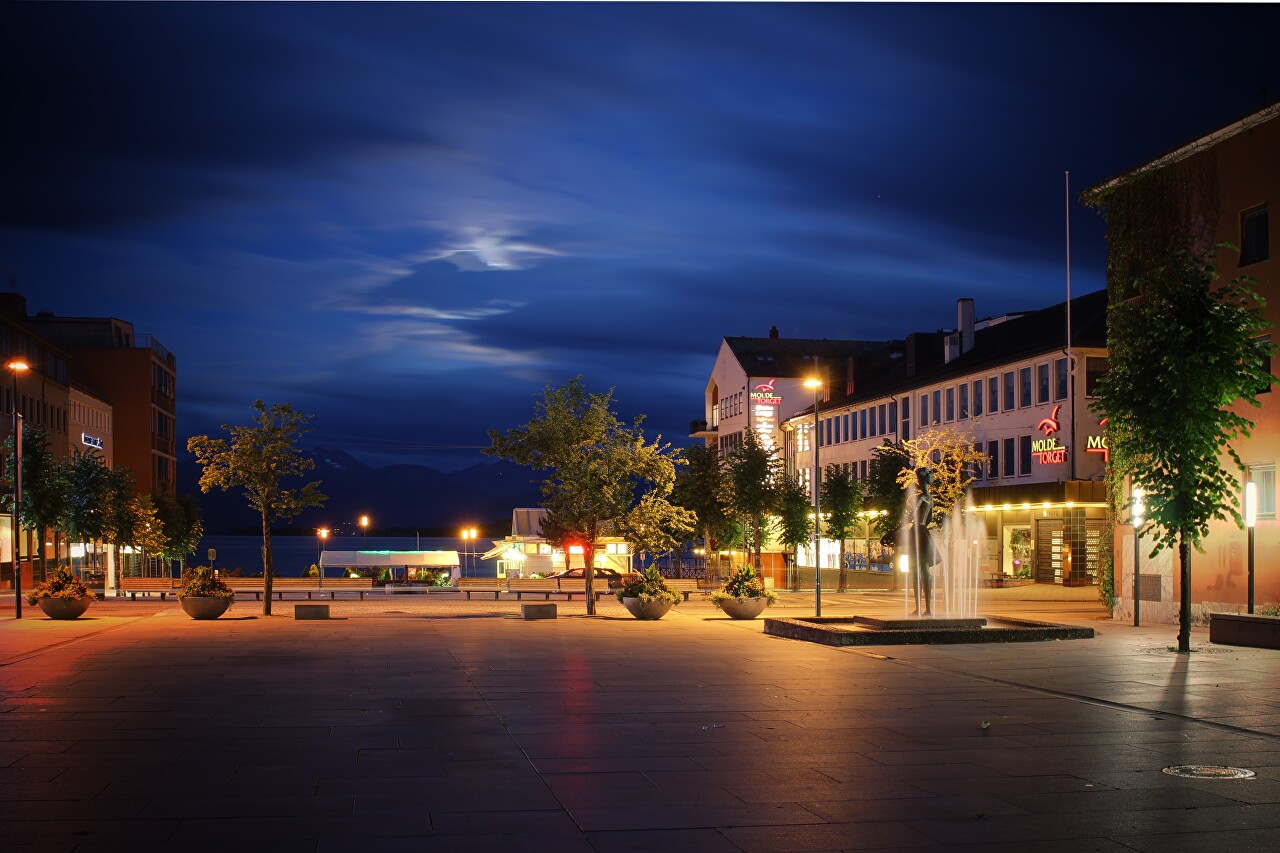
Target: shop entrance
(1017,550)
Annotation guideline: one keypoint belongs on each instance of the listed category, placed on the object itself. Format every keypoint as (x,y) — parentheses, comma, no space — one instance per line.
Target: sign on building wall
(1047,450)
(91,440)
(765,405)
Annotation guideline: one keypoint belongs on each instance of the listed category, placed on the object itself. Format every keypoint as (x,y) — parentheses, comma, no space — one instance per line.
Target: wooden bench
(311,586)
(684,586)
(546,587)
(470,585)
(146,586)
(578,586)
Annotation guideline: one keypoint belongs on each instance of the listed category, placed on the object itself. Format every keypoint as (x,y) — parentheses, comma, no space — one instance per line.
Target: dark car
(612,576)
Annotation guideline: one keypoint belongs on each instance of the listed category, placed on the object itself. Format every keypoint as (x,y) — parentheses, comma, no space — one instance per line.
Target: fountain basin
(917,622)
(857,631)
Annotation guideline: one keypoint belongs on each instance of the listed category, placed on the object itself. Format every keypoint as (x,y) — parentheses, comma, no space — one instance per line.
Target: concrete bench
(545,610)
(470,585)
(146,586)
(1245,629)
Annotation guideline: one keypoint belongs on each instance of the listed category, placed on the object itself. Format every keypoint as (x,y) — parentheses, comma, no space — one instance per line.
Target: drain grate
(1208,771)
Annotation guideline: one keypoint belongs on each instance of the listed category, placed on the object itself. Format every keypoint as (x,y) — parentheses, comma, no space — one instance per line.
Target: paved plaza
(432,723)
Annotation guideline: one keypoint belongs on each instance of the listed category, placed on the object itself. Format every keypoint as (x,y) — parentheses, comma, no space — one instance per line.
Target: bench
(470,585)
(578,586)
(146,586)
(684,586)
(546,587)
(311,586)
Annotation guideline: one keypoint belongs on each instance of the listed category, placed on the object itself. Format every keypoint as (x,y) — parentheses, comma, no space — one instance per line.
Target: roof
(1182,152)
(793,357)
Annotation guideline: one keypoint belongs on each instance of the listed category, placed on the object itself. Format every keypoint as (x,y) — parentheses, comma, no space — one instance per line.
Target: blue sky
(408,219)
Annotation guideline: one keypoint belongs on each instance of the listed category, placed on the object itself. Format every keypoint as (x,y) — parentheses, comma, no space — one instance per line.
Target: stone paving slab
(439,724)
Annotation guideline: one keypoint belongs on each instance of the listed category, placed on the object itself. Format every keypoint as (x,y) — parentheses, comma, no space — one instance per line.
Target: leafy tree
(596,465)
(119,514)
(842,496)
(89,491)
(45,489)
(888,461)
(795,515)
(258,459)
(1182,352)
(700,487)
(951,455)
(752,473)
(181,523)
(656,525)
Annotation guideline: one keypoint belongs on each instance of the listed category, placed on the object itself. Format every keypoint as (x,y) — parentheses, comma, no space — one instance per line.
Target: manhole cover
(1209,771)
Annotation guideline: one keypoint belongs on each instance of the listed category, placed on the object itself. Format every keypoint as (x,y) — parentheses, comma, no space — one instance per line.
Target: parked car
(612,576)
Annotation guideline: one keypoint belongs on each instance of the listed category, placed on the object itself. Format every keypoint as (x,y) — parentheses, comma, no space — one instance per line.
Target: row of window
(37,411)
(731,405)
(90,417)
(852,426)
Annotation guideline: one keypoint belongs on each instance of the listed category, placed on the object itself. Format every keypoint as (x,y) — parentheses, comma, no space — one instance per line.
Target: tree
(596,464)
(951,455)
(89,491)
(888,461)
(656,525)
(795,516)
(1182,351)
(119,513)
(259,459)
(842,495)
(45,489)
(752,471)
(700,487)
(181,523)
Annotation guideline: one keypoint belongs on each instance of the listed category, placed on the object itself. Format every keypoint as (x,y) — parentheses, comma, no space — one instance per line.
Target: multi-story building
(91,432)
(1218,188)
(139,378)
(41,394)
(1007,386)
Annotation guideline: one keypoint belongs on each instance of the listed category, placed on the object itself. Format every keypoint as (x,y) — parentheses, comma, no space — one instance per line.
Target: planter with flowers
(204,595)
(61,595)
(743,595)
(647,595)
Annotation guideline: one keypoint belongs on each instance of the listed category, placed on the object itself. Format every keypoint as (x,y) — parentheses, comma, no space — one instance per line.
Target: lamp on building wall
(1137,511)
(17,367)
(815,384)
(1251,521)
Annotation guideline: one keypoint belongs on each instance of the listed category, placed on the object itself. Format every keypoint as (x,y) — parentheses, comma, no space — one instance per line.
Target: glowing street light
(17,367)
(1136,510)
(364,526)
(322,534)
(815,384)
(1251,521)
(467,535)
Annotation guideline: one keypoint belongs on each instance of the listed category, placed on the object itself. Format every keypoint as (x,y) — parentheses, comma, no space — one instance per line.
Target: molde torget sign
(765,405)
(1048,451)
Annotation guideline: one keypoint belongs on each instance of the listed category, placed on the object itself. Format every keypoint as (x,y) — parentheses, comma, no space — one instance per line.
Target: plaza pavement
(437,724)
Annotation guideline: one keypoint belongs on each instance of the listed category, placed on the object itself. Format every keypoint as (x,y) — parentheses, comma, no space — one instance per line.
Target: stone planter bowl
(743,608)
(204,606)
(646,609)
(64,608)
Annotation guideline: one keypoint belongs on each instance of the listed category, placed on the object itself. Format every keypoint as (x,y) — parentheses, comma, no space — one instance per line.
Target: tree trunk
(1184,609)
(266,566)
(757,531)
(844,570)
(588,573)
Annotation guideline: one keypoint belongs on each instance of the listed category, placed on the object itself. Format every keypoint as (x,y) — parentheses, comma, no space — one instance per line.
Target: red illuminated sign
(1046,450)
(1098,443)
(763,394)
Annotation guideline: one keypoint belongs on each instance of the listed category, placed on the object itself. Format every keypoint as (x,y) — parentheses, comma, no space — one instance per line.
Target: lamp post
(1251,521)
(17,366)
(322,534)
(815,384)
(468,535)
(1137,555)
(364,526)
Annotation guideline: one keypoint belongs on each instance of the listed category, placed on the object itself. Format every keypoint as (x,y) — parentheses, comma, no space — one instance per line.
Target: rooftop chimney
(964,324)
(773,333)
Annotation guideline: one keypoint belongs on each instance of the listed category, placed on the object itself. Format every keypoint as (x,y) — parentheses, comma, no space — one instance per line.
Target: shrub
(743,583)
(61,584)
(201,582)
(648,586)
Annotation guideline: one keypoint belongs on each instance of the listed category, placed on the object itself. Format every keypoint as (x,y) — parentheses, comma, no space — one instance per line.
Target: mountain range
(404,497)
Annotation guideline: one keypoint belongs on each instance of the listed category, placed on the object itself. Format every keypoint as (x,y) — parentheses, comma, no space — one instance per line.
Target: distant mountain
(412,497)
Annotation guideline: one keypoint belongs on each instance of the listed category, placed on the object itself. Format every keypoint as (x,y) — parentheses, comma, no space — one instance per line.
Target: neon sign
(763,395)
(1098,443)
(764,408)
(91,440)
(1046,450)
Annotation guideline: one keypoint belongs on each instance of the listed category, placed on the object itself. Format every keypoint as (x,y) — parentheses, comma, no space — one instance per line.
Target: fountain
(945,598)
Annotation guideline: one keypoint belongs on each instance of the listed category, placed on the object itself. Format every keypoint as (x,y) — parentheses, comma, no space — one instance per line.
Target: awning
(388,559)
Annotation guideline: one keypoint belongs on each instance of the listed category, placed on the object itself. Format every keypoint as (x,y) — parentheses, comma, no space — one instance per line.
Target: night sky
(408,219)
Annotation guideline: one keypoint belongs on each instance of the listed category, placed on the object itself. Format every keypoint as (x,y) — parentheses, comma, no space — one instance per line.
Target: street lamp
(17,367)
(1251,521)
(364,526)
(815,384)
(323,534)
(1137,511)
(469,535)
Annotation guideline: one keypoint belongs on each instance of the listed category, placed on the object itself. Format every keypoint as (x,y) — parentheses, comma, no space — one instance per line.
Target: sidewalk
(417,724)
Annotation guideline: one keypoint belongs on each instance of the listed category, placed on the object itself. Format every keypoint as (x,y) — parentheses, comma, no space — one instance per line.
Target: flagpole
(1071,363)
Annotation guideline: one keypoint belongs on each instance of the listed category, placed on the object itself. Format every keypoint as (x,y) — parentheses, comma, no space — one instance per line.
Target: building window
(1024,454)
(964,401)
(905,431)
(1060,372)
(924,410)
(993,394)
(883,418)
(1264,477)
(1024,387)
(993,460)
(1095,367)
(1009,402)
(937,407)
(1254,243)
(893,416)
(1042,383)
(1008,457)
(951,404)
(862,426)
(977,399)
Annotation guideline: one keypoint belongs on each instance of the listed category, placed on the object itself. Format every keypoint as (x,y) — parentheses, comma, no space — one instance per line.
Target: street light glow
(1250,504)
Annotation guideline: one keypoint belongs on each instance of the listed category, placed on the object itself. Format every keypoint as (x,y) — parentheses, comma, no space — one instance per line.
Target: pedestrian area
(436,724)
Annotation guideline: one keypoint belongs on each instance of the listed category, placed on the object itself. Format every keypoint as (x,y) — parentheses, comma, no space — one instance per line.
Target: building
(91,432)
(1217,188)
(42,397)
(1007,385)
(526,552)
(138,376)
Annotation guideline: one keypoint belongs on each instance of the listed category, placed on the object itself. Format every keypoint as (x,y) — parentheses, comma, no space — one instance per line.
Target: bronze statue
(915,538)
